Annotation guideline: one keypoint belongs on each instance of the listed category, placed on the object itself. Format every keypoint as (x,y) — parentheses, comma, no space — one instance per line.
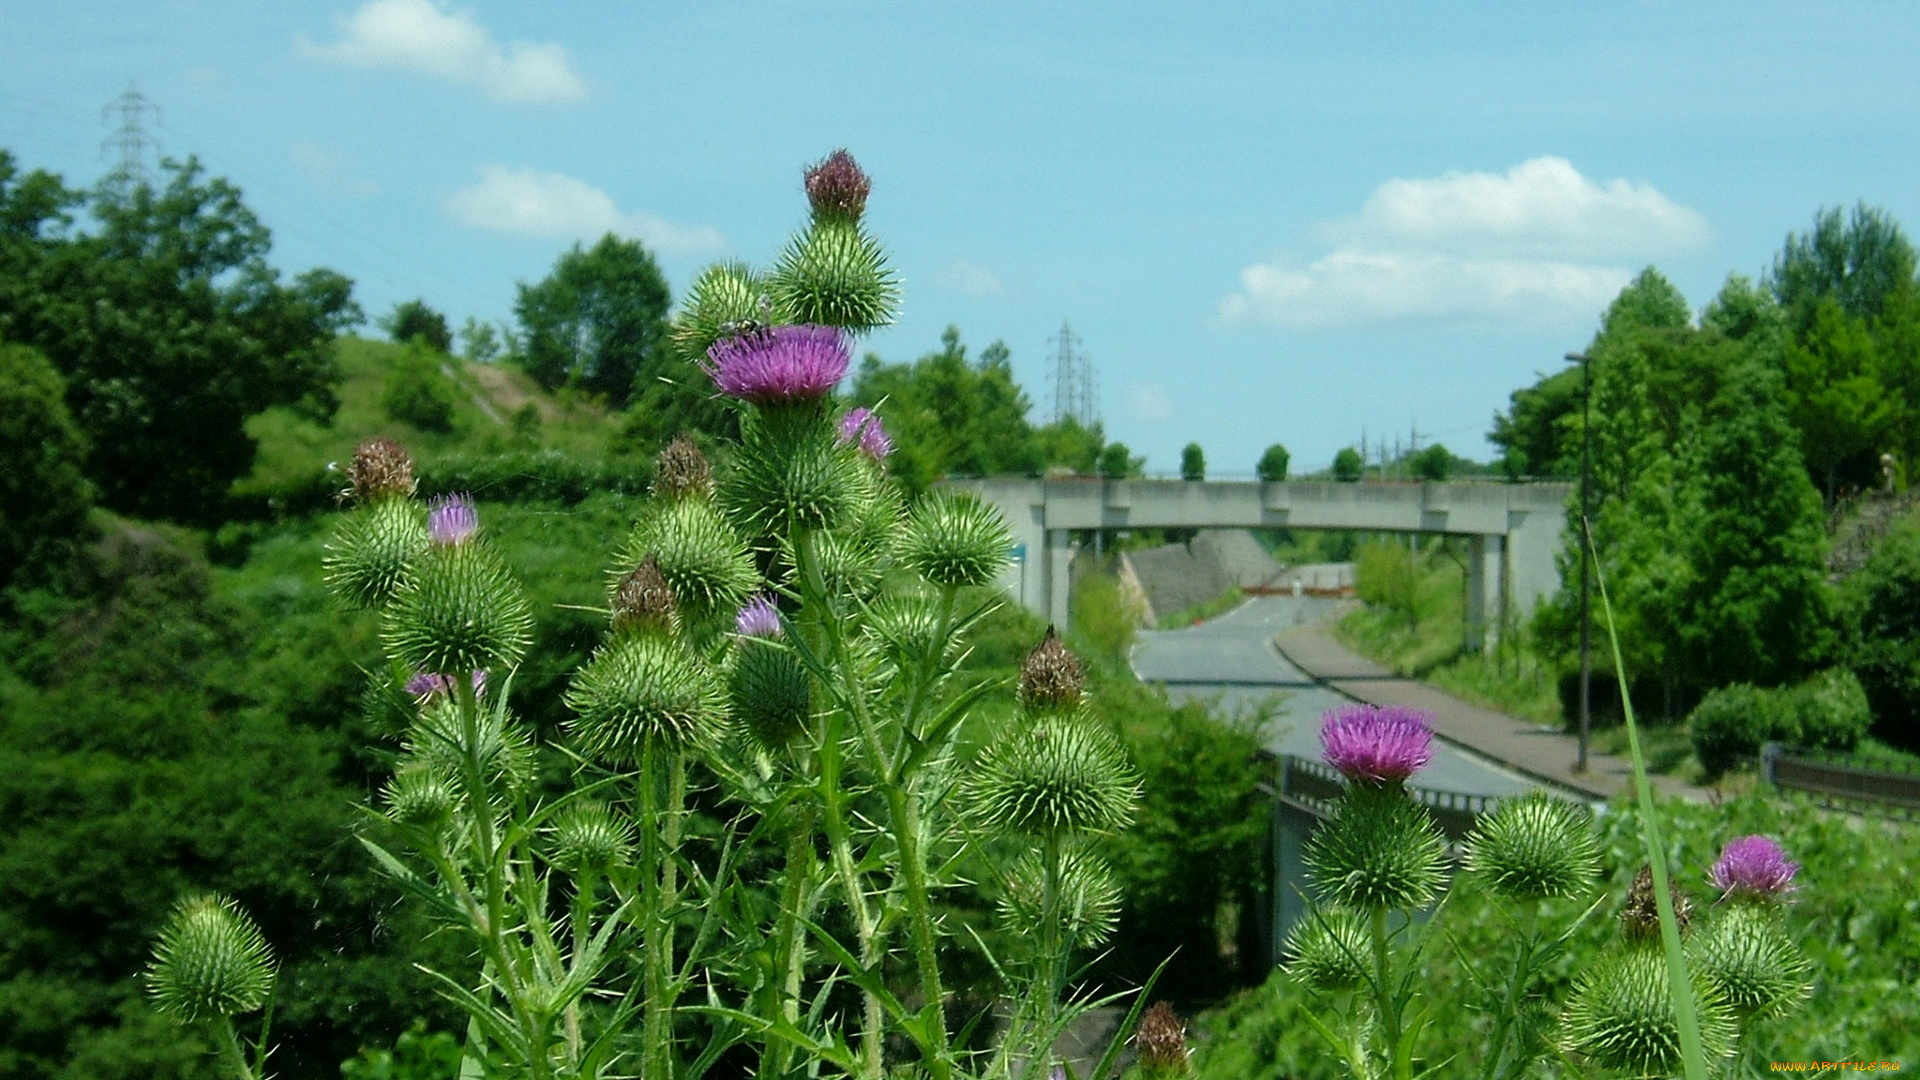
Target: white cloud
(967,278)
(418,35)
(1151,403)
(527,202)
(1540,246)
(328,171)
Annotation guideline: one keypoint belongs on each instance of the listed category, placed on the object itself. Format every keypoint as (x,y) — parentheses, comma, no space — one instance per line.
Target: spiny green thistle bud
(373,550)
(1055,778)
(834,274)
(790,473)
(954,539)
(641,689)
(590,838)
(1050,678)
(419,797)
(439,740)
(907,630)
(1535,847)
(1747,956)
(1380,850)
(698,554)
(1088,899)
(459,611)
(1329,949)
(1640,918)
(381,469)
(644,601)
(725,297)
(849,567)
(1162,1044)
(211,961)
(1620,1016)
(769,692)
(682,471)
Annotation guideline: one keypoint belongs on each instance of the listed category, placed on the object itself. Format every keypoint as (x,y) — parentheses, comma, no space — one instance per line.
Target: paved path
(1232,660)
(1541,752)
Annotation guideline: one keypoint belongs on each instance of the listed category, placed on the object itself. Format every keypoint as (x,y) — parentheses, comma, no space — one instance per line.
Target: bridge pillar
(1486,592)
(1059,564)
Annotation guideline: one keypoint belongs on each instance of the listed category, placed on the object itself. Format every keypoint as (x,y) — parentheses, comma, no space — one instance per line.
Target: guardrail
(1312,788)
(1844,781)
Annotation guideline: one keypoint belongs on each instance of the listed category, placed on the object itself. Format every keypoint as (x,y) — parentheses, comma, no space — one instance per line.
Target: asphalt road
(1232,659)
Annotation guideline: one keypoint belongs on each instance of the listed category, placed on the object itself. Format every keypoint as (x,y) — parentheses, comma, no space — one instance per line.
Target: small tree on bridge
(1193,462)
(1273,464)
(1348,465)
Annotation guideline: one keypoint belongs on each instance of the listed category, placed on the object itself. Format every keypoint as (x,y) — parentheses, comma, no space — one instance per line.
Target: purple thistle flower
(758,619)
(430,684)
(1369,742)
(837,188)
(1753,866)
(452,521)
(783,363)
(862,424)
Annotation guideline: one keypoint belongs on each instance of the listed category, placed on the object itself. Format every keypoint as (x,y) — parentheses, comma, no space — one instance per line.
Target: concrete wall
(1515,527)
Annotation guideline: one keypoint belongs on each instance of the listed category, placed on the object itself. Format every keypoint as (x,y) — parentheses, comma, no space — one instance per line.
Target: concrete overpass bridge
(1513,530)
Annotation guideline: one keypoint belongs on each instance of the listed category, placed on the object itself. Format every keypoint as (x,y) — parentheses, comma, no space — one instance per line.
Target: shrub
(1387,575)
(1273,463)
(417,393)
(1348,465)
(1828,711)
(1882,602)
(1193,462)
(1732,722)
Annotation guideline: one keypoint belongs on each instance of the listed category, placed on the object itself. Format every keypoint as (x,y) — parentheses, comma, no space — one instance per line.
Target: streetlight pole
(1586,556)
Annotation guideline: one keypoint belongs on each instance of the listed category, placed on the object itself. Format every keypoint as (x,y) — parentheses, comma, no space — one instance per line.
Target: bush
(1732,722)
(1193,462)
(1829,711)
(415,321)
(417,393)
(532,476)
(1387,576)
(1882,605)
(1434,463)
(1273,464)
(45,493)
(1348,465)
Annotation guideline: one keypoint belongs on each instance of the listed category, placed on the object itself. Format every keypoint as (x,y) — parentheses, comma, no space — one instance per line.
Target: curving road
(1232,658)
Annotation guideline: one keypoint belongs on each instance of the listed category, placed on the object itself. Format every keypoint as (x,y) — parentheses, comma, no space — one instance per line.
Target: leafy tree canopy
(42,487)
(1193,462)
(413,319)
(169,327)
(1273,463)
(1348,465)
(599,322)
(1862,261)
(950,416)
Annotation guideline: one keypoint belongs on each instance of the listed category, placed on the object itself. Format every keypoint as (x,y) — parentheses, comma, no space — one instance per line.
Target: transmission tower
(1073,388)
(130,139)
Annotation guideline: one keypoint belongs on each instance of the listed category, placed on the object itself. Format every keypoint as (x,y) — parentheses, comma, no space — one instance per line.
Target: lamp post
(1586,555)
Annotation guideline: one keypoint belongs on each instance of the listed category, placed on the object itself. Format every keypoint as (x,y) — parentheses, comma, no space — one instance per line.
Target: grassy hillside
(494,409)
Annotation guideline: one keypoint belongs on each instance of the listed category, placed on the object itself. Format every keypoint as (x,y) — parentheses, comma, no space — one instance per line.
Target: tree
(416,392)
(1065,444)
(1348,465)
(1273,464)
(1844,414)
(1538,435)
(1882,605)
(42,487)
(1435,463)
(479,341)
(599,322)
(1861,262)
(413,320)
(948,416)
(1117,463)
(1193,462)
(170,329)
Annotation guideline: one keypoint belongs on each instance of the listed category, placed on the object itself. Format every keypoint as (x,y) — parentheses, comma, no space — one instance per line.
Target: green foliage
(1064,444)
(951,417)
(1854,917)
(1434,464)
(598,322)
(170,328)
(1826,712)
(1539,434)
(1118,463)
(1348,465)
(1273,463)
(1102,620)
(413,320)
(42,486)
(479,341)
(417,1054)
(417,393)
(1387,574)
(1193,462)
(1882,602)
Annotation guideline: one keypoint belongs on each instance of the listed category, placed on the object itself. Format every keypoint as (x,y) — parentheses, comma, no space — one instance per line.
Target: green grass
(293,448)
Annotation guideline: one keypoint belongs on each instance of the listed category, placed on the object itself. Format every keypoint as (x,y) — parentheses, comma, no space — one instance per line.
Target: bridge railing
(1845,781)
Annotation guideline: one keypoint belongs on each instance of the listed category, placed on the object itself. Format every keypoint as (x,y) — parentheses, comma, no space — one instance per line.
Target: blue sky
(1270,222)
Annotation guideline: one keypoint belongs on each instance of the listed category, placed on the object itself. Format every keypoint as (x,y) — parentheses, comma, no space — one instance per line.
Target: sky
(1303,223)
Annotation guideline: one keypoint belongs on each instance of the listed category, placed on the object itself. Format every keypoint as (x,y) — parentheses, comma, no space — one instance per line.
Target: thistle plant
(210,965)
(1380,873)
(781,642)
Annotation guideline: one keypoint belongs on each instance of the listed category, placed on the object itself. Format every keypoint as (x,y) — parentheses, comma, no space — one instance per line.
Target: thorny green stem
(1383,987)
(1052,947)
(790,952)
(657,939)
(230,1049)
(1506,1028)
